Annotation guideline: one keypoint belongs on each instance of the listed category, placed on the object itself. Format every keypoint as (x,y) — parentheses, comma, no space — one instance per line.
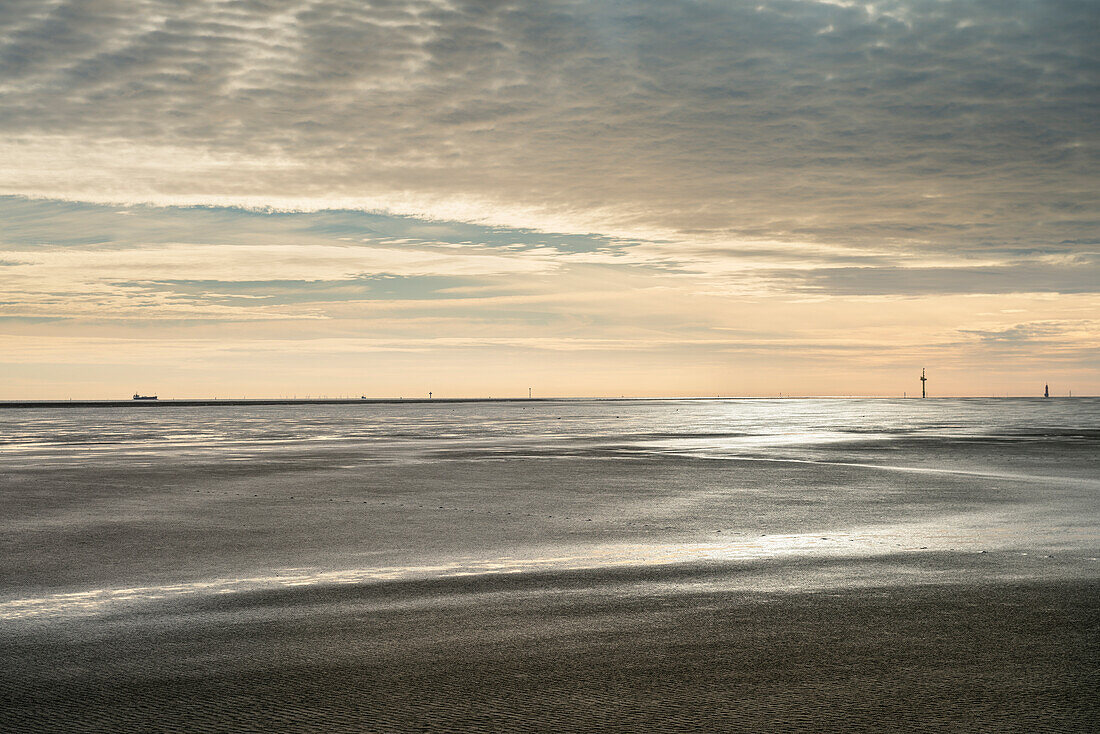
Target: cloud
(175,280)
(1075,275)
(1028,332)
(1065,343)
(947,125)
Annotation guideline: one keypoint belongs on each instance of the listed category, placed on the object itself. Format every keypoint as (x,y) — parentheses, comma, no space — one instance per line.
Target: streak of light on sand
(959,534)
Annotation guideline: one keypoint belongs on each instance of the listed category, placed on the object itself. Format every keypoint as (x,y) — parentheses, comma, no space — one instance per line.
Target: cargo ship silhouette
(144,397)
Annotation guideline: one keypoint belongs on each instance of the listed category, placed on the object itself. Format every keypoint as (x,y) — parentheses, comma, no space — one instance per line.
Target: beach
(661,566)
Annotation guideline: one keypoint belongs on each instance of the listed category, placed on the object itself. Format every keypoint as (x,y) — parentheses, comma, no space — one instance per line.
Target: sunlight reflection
(864,542)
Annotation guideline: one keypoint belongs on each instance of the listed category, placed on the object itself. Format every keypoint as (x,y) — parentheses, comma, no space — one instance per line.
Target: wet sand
(626,650)
(423,571)
(103,524)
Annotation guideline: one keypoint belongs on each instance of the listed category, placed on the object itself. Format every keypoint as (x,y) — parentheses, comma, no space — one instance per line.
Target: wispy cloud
(1073,275)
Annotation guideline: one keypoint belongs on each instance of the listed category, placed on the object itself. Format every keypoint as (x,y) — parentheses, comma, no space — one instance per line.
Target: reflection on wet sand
(977,533)
(657,565)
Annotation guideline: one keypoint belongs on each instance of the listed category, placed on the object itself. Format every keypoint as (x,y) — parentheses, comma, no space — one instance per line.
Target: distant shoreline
(203,402)
(210,402)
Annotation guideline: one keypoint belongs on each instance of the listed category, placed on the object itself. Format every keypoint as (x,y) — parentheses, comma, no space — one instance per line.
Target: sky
(254,198)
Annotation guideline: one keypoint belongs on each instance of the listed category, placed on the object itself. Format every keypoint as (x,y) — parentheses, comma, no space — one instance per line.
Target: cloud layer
(949,124)
(712,184)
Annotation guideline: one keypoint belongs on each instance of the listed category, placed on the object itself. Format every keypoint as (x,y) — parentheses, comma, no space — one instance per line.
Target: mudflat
(570,566)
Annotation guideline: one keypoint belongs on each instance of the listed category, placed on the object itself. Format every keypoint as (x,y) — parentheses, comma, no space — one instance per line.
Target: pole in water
(1046,391)
(429,395)
(528,393)
(923,379)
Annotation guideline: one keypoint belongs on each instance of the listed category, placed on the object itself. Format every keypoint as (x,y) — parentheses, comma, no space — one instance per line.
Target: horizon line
(201,402)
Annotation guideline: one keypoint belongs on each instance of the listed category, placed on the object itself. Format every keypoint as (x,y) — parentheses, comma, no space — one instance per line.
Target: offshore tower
(923,379)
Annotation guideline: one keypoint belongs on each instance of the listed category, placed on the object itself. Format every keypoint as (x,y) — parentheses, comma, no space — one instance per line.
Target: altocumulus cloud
(944,124)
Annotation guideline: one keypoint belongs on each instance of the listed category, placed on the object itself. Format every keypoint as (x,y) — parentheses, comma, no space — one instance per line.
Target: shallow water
(405,432)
